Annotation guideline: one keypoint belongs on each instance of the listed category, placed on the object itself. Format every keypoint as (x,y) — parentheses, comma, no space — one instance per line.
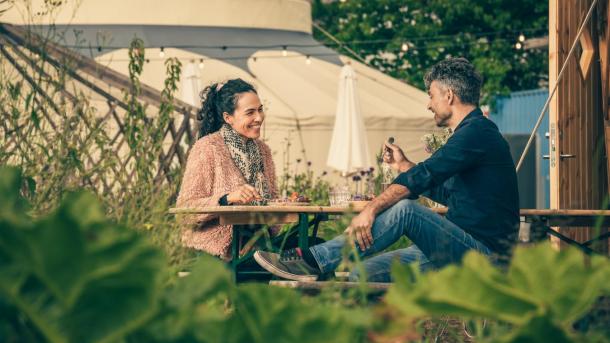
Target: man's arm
(360,227)
(393,194)
(437,194)
(462,151)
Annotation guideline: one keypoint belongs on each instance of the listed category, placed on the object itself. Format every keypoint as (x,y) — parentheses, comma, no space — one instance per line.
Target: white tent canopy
(300,98)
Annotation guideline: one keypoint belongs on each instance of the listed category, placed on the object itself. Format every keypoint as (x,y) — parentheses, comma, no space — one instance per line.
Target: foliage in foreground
(74,276)
(540,297)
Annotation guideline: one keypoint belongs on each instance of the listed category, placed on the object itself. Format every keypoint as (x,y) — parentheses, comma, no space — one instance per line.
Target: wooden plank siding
(577,112)
(603,16)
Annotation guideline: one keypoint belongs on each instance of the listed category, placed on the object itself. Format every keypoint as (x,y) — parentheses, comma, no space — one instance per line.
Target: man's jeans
(436,242)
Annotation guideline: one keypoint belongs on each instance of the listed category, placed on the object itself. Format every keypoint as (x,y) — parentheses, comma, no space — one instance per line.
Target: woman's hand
(394,156)
(242,195)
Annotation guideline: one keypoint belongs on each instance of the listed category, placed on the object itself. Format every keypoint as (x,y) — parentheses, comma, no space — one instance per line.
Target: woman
(228,165)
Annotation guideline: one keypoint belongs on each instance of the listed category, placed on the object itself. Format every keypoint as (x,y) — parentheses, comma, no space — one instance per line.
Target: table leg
(316,223)
(235,252)
(303,228)
(568,240)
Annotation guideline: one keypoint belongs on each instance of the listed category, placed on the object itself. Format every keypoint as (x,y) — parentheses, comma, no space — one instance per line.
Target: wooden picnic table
(277,214)
(541,220)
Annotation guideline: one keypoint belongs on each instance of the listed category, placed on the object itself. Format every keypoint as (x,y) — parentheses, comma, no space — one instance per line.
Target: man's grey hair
(458,75)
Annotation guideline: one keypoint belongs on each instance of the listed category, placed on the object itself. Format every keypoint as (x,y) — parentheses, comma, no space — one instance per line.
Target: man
(473,174)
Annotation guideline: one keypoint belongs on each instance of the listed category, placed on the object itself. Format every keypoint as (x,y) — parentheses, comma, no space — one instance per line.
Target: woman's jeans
(436,242)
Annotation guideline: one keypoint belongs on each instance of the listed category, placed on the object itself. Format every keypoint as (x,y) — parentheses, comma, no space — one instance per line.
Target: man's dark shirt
(474,175)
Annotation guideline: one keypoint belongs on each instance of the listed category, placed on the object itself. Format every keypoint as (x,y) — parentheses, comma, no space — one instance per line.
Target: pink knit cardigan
(211,173)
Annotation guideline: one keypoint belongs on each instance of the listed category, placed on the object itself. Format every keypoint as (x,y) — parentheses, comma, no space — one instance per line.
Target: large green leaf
(268,314)
(207,307)
(12,204)
(558,280)
(543,290)
(194,304)
(75,276)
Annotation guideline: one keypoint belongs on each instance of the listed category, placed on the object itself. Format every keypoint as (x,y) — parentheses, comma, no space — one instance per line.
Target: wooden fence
(65,87)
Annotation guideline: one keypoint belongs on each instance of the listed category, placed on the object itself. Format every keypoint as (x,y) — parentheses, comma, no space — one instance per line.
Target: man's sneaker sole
(278,272)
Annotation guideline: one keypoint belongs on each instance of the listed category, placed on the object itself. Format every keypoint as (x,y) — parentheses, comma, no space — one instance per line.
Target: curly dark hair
(459,75)
(216,101)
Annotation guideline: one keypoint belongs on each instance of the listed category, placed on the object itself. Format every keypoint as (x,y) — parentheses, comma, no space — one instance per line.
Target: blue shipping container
(517,114)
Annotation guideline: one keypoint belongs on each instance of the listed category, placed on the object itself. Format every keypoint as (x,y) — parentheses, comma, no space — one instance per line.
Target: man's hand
(395,157)
(242,195)
(360,229)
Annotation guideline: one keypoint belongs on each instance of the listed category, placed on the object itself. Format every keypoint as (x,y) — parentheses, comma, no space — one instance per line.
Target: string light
(284,51)
(308,60)
(522,38)
(427,39)
(404,47)
(201,65)
(162,52)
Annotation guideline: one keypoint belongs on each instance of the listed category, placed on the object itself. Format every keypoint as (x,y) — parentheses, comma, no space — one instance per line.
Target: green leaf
(194,304)
(74,276)
(556,279)
(269,314)
(539,329)
(541,294)
(12,203)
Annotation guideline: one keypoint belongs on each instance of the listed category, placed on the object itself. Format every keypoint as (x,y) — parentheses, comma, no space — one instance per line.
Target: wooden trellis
(70,89)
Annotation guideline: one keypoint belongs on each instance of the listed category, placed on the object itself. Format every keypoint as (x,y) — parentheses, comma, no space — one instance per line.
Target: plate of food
(276,202)
(295,199)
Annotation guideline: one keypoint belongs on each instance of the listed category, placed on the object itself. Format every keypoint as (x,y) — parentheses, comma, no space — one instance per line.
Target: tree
(405,37)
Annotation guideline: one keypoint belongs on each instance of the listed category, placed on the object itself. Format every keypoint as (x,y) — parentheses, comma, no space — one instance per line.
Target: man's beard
(442,121)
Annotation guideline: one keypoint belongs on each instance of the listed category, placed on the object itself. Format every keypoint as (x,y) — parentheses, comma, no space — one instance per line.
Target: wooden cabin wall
(577,113)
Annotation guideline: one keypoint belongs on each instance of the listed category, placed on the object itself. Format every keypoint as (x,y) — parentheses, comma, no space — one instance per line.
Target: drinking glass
(339,196)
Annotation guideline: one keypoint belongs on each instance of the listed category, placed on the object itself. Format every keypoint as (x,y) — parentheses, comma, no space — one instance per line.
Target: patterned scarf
(248,159)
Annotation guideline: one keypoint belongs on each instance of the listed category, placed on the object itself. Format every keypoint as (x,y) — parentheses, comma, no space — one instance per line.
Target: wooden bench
(316,286)
(543,221)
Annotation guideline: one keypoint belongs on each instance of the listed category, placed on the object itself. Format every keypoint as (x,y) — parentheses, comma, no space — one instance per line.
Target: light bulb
(201,65)
(308,60)
(521,38)
(162,52)
(518,45)
(284,52)
(404,47)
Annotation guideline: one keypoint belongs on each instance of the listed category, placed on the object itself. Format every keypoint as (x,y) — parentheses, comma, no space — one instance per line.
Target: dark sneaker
(289,265)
